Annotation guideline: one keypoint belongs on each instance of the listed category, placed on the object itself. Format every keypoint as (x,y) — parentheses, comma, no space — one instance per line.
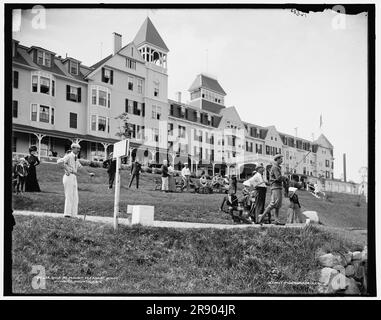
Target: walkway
(159,224)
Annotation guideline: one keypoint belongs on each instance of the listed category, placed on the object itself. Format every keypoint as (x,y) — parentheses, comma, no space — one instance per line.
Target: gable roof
(148,33)
(324,142)
(206,82)
(99,63)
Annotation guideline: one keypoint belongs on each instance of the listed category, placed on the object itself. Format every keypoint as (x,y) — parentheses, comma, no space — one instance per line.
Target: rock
(350,271)
(364,254)
(326,275)
(329,260)
(339,268)
(348,257)
(358,270)
(312,216)
(339,282)
(352,287)
(356,255)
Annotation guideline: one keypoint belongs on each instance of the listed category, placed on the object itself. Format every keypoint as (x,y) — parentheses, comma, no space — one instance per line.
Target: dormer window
(43,58)
(73,67)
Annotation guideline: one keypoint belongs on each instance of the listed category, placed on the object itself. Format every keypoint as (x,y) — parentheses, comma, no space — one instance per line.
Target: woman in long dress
(171,180)
(31,184)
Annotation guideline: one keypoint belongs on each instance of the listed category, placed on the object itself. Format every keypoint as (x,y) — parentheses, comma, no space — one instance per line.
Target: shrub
(84,162)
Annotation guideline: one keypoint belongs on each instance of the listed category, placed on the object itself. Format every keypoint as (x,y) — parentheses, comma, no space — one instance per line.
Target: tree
(125,131)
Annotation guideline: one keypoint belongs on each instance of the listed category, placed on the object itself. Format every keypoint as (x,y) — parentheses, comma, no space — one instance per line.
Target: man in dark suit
(135,172)
(111,170)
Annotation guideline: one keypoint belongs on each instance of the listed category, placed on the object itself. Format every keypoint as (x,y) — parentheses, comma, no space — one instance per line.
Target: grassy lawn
(95,199)
(165,261)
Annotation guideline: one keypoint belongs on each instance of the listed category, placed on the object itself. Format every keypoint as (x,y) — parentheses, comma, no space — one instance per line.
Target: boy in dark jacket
(135,173)
(111,170)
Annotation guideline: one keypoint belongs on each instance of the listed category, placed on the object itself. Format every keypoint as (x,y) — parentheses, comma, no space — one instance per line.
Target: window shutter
(126,105)
(135,107)
(67,92)
(112,77)
(15,79)
(143,109)
(103,75)
(79,94)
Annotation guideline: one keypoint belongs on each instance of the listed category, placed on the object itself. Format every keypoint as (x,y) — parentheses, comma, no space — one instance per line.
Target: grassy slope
(95,198)
(151,260)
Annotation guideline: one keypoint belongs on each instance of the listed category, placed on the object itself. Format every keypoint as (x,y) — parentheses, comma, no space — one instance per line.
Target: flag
(321,120)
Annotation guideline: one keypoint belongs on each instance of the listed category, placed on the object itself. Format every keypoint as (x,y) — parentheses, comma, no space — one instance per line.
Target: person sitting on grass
(294,213)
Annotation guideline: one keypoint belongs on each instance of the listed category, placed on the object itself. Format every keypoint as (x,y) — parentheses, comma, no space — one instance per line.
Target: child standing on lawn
(21,174)
(294,213)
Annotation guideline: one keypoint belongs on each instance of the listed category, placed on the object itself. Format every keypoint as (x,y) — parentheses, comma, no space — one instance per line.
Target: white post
(213,165)
(117,193)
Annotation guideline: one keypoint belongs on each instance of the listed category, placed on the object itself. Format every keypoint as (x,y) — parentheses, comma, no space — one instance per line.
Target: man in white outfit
(71,165)
(185,174)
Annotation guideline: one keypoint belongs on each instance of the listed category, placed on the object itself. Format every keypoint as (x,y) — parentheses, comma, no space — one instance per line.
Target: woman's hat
(32,148)
(75,145)
(277,156)
(292,189)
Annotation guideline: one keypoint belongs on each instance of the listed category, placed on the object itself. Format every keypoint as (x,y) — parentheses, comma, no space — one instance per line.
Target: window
(94,122)
(155,135)
(170,129)
(34,112)
(43,58)
(140,85)
(52,116)
(73,93)
(156,112)
(15,79)
(73,120)
(182,132)
(100,96)
(73,67)
(130,83)
(327,163)
(101,123)
(130,63)
(156,89)
(107,75)
(34,83)
(15,105)
(44,85)
(44,114)
(267,150)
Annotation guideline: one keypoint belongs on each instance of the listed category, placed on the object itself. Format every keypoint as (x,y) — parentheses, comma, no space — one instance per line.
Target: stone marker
(312,216)
(143,215)
(364,254)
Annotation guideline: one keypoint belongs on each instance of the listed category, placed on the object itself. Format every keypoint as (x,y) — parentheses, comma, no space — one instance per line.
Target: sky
(277,67)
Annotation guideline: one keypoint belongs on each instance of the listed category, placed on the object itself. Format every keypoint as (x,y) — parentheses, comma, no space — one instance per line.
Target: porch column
(153,153)
(213,165)
(39,137)
(105,146)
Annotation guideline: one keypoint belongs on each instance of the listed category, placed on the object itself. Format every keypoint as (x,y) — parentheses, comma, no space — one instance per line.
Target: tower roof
(148,33)
(206,82)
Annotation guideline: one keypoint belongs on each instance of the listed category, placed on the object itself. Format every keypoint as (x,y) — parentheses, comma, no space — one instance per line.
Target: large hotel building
(57,100)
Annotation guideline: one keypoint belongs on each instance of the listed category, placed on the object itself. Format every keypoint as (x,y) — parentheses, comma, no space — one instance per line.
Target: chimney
(117,42)
(345,167)
(178,95)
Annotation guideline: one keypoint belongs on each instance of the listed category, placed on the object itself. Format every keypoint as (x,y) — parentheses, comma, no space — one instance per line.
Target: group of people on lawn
(254,193)
(255,187)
